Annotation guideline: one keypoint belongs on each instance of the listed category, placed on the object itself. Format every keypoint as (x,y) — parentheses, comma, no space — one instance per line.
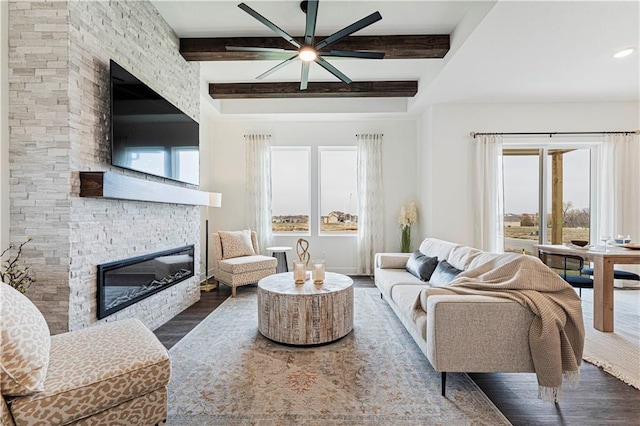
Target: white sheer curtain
(370,201)
(489,193)
(619,187)
(258,189)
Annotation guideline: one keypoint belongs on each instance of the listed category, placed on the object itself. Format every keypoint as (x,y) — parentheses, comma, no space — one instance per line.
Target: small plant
(12,273)
(408,216)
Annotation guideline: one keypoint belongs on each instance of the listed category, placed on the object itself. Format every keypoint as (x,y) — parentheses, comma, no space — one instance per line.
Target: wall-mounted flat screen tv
(148,133)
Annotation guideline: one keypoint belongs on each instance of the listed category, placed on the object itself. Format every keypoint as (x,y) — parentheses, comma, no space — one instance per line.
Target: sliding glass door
(555,180)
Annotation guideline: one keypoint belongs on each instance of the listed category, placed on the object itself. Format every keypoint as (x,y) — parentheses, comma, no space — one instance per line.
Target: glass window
(338,195)
(290,190)
(554,180)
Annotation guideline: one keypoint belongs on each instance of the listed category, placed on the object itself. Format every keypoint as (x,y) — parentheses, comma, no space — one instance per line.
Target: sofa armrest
(471,333)
(392,260)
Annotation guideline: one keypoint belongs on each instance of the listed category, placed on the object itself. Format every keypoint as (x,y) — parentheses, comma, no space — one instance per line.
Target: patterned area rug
(617,352)
(224,372)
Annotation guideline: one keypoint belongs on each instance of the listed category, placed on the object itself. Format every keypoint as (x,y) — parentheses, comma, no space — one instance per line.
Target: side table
(280,253)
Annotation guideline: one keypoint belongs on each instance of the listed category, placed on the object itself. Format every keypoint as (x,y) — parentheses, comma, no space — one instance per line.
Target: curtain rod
(362,134)
(551,134)
(257,134)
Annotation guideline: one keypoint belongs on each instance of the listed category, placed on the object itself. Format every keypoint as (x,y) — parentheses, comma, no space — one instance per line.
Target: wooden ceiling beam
(394,47)
(366,89)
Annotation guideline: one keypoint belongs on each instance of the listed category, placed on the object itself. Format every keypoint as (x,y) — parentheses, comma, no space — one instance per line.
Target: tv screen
(148,133)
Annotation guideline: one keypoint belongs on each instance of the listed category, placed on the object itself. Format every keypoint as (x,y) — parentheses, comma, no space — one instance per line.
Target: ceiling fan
(308,51)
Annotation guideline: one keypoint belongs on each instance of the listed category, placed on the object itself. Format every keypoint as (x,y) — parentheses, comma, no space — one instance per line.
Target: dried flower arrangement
(12,273)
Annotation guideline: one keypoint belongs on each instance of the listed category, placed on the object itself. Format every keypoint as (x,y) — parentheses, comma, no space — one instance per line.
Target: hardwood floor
(600,399)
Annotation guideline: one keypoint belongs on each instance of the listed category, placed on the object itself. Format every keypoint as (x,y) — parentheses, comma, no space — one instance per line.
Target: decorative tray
(632,246)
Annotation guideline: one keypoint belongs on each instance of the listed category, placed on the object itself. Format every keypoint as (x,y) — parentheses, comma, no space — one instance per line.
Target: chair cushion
(25,340)
(95,369)
(236,244)
(421,266)
(239,265)
(617,274)
(577,281)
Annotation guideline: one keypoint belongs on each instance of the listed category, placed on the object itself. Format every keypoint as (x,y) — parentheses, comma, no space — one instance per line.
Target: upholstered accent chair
(237,260)
(107,374)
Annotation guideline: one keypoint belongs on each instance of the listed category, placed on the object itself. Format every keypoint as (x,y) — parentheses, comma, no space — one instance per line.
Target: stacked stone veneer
(59,56)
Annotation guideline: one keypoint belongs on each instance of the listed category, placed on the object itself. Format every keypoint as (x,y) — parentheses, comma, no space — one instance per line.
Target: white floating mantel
(121,187)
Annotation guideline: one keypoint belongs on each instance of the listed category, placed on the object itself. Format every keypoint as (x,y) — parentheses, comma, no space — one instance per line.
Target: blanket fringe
(572,378)
(549,394)
(553,394)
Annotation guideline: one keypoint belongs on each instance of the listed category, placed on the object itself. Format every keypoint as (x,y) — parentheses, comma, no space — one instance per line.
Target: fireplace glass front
(125,282)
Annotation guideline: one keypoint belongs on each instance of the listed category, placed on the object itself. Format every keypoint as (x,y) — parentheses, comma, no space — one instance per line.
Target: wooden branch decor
(302,248)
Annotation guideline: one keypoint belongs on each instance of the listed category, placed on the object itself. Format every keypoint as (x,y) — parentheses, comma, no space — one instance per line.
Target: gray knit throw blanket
(556,335)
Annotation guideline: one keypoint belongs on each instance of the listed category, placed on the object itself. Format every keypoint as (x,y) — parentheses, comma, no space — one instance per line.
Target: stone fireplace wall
(59,56)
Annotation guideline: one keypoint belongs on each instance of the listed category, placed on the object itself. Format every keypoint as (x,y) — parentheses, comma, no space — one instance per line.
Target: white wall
(445,147)
(399,176)
(4,125)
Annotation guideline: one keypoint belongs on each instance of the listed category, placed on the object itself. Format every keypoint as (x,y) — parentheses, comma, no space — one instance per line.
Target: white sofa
(457,333)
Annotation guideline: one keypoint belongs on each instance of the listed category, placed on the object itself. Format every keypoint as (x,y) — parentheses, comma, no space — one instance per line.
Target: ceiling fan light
(308,54)
(624,52)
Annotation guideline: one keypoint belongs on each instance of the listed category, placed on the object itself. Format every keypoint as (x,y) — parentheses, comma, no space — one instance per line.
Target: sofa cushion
(461,256)
(421,266)
(444,274)
(94,369)
(239,265)
(236,244)
(25,340)
(438,248)
(386,279)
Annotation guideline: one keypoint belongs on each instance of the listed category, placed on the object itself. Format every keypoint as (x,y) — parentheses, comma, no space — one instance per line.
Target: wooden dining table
(603,262)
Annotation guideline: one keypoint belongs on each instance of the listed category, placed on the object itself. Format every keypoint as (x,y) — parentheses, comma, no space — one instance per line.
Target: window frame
(594,145)
(293,148)
(352,148)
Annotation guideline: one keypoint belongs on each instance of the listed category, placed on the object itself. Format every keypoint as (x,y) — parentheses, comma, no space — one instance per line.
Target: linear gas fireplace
(125,282)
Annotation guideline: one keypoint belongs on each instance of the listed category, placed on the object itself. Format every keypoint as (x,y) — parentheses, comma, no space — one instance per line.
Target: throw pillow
(421,265)
(236,243)
(444,274)
(25,337)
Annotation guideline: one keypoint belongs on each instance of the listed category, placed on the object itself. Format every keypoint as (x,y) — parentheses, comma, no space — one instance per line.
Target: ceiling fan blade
(353,54)
(333,70)
(269,24)
(310,28)
(259,49)
(356,26)
(304,78)
(276,68)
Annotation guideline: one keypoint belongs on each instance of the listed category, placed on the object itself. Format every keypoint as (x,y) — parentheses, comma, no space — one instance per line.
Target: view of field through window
(338,190)
(568,176)
(290,190)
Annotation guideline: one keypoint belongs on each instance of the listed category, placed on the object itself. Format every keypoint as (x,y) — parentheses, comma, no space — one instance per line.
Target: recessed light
(624,52)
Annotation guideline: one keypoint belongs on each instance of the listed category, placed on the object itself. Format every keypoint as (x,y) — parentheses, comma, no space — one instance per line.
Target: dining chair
(567,263)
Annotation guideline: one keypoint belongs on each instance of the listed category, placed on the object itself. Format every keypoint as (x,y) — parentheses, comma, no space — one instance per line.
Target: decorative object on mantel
(12,273)
(302,248)
(215,200)
(408,216)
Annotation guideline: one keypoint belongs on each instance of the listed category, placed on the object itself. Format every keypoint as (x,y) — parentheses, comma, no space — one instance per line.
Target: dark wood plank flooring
(600,399)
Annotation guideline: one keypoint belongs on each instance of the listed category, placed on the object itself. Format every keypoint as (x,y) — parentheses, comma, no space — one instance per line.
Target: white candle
(299,272)
(317,271)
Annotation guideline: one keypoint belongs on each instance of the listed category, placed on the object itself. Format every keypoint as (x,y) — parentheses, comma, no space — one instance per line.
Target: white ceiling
(510,51)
